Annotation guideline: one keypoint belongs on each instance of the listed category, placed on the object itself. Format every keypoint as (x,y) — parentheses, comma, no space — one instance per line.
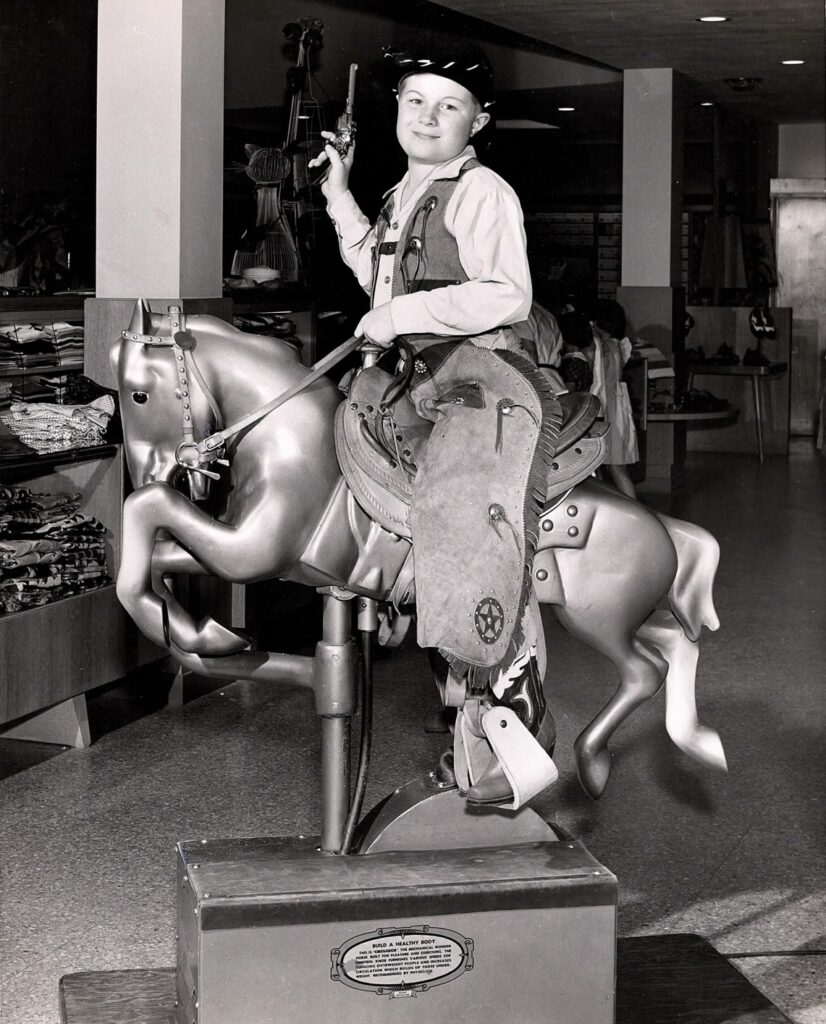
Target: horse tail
(690,597)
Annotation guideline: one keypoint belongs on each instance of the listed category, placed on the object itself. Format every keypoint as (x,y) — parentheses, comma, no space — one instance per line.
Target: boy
(446,268)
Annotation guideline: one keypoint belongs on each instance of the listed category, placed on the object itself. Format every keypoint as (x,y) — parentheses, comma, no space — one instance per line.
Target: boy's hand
(337,179)
(377,326)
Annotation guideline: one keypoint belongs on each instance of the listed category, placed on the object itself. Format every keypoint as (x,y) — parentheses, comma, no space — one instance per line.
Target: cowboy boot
(525,698)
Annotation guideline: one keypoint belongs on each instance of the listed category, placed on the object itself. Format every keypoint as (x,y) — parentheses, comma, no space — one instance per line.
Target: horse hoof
(215,640)
(592,770)
(704,745)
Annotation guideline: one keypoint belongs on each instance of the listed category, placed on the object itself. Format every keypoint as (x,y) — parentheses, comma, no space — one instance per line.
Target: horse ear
(251,149)
(141,318)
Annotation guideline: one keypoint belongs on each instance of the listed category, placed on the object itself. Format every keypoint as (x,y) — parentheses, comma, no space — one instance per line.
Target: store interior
(678,168)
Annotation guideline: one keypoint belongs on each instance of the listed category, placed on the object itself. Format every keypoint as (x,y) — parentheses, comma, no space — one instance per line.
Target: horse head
(155,400)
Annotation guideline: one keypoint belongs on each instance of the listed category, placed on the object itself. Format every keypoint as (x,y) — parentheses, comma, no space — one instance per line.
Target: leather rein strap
(192,455)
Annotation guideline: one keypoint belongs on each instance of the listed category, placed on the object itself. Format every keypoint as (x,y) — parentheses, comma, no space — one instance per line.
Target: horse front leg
(228,551)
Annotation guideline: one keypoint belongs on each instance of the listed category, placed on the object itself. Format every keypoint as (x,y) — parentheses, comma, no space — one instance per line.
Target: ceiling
(665,33)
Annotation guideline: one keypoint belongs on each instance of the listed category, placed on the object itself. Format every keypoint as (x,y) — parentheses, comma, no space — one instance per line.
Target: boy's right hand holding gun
(337,179)
(338,152)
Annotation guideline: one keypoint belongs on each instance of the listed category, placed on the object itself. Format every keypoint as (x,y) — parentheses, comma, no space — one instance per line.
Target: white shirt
(485,217)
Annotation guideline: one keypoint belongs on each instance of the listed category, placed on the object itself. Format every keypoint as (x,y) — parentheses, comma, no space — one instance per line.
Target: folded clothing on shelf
(50,428)
(48,548)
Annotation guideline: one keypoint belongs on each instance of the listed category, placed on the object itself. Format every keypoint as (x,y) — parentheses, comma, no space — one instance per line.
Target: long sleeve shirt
(485,217)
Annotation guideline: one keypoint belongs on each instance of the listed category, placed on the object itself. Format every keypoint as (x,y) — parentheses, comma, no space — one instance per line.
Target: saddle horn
(141,322)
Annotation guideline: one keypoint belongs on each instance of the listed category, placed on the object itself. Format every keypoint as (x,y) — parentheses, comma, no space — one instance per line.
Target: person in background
(577,356)
(611,352)
(542,339)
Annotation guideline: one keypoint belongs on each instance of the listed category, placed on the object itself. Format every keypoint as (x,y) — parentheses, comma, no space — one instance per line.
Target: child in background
(576,364)
(542,340)
(612,350)
(593,357)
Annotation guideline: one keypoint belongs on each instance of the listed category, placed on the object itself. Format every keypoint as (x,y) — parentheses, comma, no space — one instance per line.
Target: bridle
(182,343)
(194,456)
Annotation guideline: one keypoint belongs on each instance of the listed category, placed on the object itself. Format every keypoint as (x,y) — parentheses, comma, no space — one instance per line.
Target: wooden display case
(51,655)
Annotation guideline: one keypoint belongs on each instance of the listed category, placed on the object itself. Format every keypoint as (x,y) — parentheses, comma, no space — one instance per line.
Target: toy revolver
(345,125)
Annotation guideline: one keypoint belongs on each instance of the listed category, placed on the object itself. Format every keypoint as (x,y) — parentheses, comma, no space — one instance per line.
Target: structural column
(160,122)
(652,192)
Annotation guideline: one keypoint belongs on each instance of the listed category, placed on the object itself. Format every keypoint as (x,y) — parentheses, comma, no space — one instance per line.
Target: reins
(194,455)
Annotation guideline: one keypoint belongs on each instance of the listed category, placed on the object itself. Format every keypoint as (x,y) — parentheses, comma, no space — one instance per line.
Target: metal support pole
(757,396)
(335,781)
(335,685)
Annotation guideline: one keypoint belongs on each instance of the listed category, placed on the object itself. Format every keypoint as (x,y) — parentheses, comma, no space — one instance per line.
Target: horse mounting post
(335,693)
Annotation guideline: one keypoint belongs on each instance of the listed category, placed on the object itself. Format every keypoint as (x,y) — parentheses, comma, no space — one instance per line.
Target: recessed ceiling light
(714,17)
(566,110)
(706,103)
(792,61)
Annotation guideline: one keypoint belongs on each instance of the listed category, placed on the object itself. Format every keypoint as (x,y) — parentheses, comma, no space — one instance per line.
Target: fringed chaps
(476,502)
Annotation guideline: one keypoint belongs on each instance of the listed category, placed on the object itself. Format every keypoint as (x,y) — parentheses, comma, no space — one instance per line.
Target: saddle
(379,448)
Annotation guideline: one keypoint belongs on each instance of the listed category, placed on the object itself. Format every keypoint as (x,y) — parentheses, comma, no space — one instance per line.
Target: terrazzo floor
(87,837)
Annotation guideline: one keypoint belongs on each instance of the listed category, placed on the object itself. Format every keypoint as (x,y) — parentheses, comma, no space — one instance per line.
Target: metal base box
(271,930)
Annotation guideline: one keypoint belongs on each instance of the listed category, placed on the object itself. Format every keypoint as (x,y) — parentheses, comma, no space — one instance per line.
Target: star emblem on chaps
(490,620)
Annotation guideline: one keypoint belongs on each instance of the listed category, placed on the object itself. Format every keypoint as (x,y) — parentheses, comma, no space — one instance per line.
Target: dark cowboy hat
(462,63)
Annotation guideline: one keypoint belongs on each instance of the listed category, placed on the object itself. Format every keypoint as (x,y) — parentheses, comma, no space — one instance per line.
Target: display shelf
(24,465)
(739,370)
(6,617)
(62,649)
(717,415)
(52,654)
(32,371)
(30,309)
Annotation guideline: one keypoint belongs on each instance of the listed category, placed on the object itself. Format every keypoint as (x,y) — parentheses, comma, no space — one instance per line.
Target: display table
(757,374)
(715,416)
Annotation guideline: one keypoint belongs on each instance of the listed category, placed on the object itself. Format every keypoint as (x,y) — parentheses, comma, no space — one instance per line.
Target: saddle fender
(350,549)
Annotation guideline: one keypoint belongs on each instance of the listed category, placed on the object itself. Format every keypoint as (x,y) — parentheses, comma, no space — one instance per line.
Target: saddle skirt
(379,449)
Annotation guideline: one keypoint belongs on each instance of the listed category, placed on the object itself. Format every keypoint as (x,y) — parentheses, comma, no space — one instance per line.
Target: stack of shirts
(53,428)
(31,389)
(54,387)
(5,394)
(32,345)
(48,549)
(68,342)
(7,360)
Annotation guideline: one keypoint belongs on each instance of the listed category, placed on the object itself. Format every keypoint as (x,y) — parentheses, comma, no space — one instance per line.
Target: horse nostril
(139,396)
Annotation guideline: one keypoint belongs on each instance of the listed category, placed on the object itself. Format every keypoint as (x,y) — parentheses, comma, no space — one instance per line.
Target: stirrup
(521,767)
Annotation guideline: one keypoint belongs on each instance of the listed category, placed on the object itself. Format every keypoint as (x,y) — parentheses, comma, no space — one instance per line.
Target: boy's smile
(436,118)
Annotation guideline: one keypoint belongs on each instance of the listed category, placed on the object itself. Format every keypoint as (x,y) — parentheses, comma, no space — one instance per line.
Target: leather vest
(426,256)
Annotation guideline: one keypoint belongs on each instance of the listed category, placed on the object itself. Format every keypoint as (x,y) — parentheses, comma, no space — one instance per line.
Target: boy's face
(436,118)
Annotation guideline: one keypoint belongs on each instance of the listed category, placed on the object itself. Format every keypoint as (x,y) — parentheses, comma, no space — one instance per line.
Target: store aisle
(87,837)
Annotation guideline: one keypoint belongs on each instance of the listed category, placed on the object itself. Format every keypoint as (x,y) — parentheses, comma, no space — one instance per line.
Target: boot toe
(491,788)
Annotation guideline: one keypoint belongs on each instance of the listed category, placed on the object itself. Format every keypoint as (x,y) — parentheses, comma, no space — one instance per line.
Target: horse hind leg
(690,596)
(642,672)
(663,631)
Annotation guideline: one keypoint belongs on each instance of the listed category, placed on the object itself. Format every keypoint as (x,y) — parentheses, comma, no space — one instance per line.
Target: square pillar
(652,198)
(160,156)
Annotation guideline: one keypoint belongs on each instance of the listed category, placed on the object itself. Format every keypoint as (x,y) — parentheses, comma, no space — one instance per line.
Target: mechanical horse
(282,509)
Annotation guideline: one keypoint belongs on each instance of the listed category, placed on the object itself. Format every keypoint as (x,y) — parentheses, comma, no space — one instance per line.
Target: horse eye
(139,396)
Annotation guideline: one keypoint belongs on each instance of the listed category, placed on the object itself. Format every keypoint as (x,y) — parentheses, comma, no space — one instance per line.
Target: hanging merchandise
(270,252)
